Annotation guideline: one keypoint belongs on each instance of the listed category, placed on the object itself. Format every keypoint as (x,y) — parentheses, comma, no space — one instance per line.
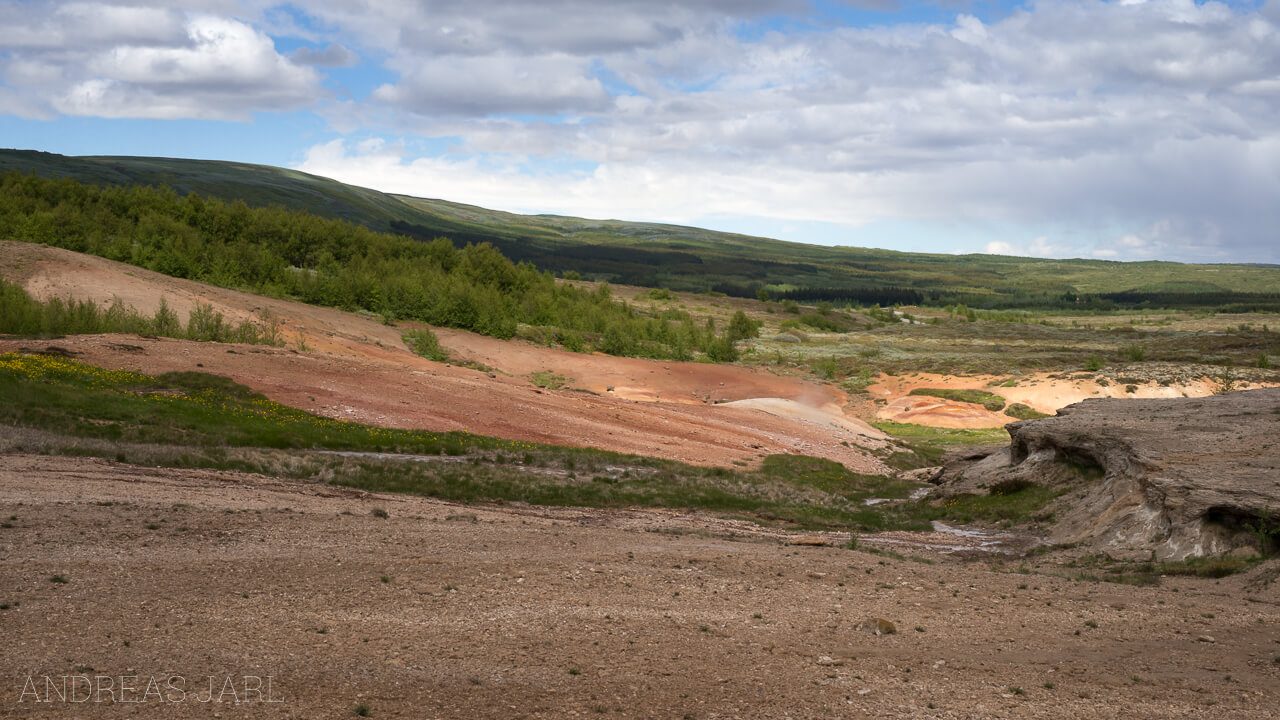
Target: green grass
(954,346)
(990,401)
(190,409)
(1023,412)
(547,379)
(1008,508)
(926,445)
(23,316)
(1102,568)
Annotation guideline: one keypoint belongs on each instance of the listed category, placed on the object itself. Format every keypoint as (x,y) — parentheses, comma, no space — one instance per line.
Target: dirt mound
(1177,478)
(355,367)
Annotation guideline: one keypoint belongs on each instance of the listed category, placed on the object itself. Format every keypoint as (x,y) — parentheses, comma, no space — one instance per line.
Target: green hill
(693,259)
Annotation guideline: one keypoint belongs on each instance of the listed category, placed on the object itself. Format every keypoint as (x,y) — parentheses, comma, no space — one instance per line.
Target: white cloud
(498,84)
(120,62)
(1066,125)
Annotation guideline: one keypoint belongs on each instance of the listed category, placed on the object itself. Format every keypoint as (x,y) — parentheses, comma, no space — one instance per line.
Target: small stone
(817,575)
(877,626)
(1206,639)
(810,540)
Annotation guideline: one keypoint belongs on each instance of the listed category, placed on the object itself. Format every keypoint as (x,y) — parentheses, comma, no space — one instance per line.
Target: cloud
(112,62)
(332,56)
(685,194)
(1039,247)
(1063,126)
(498,84)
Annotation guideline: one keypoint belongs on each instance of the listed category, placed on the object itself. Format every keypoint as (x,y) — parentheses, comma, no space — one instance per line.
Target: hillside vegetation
(289,253)
(693,259)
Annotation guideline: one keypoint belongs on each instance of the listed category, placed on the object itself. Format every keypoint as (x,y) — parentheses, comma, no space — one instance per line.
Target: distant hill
(694,259)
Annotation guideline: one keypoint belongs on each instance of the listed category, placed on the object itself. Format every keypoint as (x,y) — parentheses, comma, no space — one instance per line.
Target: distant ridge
(694,259)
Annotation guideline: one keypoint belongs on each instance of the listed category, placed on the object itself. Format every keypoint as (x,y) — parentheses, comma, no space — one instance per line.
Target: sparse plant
(361,710)
(59,579)
(1226,380)
(548,380)
(1134,353)
(380,513)
(1263,531)
(425,343)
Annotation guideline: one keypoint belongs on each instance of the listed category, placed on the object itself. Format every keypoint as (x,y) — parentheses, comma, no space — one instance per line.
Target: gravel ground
(299,601)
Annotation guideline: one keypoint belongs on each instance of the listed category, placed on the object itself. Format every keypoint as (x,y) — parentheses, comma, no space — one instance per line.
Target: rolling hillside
(693,259)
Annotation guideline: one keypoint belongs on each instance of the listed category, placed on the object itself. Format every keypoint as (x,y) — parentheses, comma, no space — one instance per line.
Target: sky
(1123,130)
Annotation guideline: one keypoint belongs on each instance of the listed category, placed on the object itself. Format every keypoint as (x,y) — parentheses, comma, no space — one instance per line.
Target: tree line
(292,254)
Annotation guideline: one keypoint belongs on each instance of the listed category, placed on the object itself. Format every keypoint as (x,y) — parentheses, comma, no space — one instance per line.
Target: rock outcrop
(1180,477)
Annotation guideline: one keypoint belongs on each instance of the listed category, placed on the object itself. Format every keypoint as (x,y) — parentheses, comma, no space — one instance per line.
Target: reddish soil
(354,367)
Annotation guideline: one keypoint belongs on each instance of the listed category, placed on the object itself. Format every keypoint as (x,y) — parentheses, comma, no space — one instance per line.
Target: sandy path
(451,612)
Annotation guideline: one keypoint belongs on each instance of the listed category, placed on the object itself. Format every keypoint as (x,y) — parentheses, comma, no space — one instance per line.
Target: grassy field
(59,405)
(1188,345)
(667,256)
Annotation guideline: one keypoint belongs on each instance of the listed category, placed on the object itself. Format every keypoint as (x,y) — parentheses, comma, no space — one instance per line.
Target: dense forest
(287,253)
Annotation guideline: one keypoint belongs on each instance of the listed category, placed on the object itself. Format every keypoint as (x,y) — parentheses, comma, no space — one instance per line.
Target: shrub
(425,343)
(1023,412)
(1134,353)
(742,327)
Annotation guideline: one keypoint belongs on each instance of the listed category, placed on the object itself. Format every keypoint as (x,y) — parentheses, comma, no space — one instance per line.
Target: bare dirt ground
(452,612)
(353,367)
(1044,392)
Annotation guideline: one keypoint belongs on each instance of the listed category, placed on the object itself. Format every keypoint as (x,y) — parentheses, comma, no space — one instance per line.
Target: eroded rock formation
(1180,477)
